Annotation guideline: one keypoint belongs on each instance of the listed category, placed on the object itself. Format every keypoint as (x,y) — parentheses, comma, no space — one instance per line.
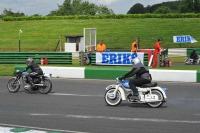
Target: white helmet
(135,61)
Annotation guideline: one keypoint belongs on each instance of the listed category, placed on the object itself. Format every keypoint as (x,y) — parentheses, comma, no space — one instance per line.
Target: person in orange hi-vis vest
(101,47)
(157,50)
(134,47)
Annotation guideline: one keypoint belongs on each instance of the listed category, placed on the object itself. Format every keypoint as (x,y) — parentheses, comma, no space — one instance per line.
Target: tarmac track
(77,105)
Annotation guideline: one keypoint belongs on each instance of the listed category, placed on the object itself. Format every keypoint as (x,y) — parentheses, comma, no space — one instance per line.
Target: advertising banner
(184,39)
(117,58)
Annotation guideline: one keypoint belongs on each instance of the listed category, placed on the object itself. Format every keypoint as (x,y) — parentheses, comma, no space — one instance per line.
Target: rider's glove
(120,78)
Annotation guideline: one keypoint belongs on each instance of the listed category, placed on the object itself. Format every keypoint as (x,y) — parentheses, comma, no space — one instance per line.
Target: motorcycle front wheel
(187,61)
(13,85)
(160,98)
(47,86)
(112,100)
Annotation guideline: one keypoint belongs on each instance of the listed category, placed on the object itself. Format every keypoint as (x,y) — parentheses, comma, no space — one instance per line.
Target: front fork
(117,88)
(16,79)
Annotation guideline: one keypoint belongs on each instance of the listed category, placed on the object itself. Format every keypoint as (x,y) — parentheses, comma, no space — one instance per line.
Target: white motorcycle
(189,61)
(149,94)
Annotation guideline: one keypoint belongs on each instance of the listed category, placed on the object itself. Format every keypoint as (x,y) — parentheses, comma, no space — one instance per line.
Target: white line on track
(133,119)
(121,118)
(64,94)
(39,128)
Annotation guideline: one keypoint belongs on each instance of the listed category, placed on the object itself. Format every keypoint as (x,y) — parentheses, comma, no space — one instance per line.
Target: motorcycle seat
(153,84)
(39,76)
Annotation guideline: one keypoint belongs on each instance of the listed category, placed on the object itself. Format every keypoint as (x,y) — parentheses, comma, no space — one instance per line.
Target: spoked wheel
(47,86)
(13,85)
(159,96)
(111,99)
(187,61)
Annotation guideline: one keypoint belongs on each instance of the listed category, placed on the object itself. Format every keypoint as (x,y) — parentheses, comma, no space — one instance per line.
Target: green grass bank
(42,36)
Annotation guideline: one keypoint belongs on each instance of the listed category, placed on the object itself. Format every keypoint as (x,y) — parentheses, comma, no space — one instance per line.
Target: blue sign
(114,58)
(184,39)
(119,58)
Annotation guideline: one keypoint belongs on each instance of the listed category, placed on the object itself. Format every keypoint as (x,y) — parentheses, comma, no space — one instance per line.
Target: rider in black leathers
(35,70)
(194,56)
(142,77)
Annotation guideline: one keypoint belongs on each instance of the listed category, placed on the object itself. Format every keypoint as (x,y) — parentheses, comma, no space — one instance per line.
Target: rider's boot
(32,84)
(134,97)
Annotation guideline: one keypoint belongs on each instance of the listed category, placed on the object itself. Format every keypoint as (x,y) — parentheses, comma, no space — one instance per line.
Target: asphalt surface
(77,105)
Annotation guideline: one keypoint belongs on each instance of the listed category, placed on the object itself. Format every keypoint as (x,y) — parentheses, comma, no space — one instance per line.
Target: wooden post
(60,43)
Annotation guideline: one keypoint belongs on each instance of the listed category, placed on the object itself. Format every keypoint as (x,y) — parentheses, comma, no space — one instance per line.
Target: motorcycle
(42,83)
(150,94)
(189,61)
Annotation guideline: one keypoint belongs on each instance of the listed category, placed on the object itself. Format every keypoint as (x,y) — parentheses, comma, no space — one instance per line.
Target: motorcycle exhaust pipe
(39,84)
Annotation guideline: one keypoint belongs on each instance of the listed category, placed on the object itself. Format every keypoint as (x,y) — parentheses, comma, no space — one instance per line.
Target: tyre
(160,97)
(47,86)
(112,100)
(187,61)
(13,85)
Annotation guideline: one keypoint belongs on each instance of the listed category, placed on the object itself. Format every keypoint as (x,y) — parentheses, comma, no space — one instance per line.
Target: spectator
(157,50)
(101,47)
(134,47)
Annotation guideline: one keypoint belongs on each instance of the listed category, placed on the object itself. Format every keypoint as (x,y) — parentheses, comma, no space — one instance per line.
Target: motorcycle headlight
(17,71)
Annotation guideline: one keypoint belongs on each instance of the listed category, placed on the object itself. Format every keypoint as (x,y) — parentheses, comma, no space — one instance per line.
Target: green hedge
(119,16)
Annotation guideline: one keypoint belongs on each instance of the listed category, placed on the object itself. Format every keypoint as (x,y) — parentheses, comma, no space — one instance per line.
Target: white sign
(117,58)
(184,39)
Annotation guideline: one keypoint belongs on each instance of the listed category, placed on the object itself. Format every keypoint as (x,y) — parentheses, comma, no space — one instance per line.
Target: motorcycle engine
(36,81)
(27,87)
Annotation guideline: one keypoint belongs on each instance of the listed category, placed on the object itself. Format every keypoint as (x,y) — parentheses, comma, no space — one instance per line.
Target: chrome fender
(161,90)
(123,96)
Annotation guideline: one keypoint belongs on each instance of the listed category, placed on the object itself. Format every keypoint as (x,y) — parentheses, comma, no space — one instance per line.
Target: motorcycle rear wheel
(156,104)
(115,101)
(13,85)
(47,86)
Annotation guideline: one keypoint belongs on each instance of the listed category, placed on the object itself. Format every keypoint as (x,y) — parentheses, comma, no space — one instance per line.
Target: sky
(43,7)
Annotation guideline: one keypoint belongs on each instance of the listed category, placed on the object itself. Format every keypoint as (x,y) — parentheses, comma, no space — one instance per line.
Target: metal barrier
(20,57)
(189,51)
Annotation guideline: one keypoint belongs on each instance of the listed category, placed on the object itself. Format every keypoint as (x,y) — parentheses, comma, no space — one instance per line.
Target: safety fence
(20,57)
(189,51)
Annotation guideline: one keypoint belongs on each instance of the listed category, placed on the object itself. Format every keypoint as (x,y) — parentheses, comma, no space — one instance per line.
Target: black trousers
(133,82)
(32,75)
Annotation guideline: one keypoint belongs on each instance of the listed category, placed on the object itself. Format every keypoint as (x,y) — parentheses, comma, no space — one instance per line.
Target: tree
(163,10)
(8,12)
(136,9)
(189,6)
(197,6)
(104,10)
(79,7)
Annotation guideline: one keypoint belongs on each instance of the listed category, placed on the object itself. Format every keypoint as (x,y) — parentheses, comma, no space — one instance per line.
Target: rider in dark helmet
(35,70)
(142,77)
(194,56)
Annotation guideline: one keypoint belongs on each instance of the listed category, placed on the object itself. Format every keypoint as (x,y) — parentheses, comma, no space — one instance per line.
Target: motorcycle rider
(194,56)
(35,70)
(142,77)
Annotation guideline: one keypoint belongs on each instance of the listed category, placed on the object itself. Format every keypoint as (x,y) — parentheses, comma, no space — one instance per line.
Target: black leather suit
(142,77)
(35,70)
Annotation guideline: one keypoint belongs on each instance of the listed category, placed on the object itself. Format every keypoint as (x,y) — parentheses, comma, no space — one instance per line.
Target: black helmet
(194,50)
(29,60)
